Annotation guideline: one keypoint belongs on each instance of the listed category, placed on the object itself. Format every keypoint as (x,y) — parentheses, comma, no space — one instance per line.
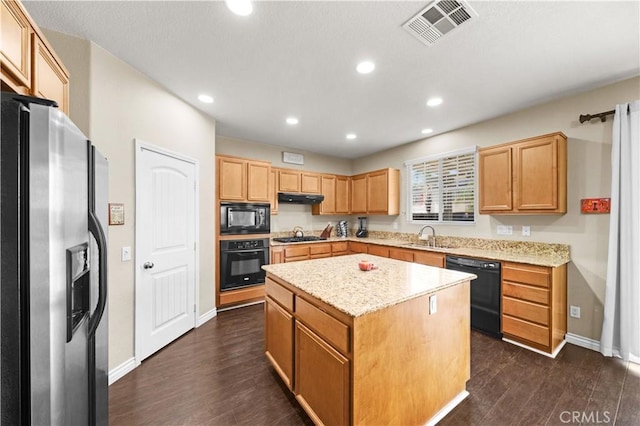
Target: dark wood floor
(218,375)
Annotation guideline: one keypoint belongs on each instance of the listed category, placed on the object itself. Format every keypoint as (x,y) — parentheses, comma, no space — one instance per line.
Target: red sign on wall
(595,205)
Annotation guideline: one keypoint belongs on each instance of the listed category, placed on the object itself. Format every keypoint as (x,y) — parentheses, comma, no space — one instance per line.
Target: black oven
(241,263)
(244,218)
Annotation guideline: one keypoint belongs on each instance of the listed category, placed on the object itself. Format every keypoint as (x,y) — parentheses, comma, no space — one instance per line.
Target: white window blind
(442,188)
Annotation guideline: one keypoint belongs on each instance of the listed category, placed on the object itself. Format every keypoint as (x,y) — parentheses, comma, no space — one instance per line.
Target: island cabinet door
(279,340)
(321,379)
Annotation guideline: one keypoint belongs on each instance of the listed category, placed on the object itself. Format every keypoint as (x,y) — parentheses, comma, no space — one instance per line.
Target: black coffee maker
(362,228)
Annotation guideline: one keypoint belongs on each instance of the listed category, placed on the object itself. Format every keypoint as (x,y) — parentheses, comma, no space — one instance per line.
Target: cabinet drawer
(296,258)
(356,247)
(532,294)
(525,310)
(400,254)
(295,251)
(525,330)
(340,248)
(280,294)
(429,258)
(315,249)
(378,250)
(324,324)
(528,274)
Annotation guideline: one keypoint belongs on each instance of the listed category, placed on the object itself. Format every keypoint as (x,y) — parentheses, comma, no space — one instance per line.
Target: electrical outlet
(395,225)
(433,304)
(574,311)
(526,231)
(504,230)
(125,254)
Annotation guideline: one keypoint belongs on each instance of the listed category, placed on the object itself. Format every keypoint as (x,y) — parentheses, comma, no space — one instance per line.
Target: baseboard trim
(206,317)
(583,342)
(121,370)
(447,408)
(239,306)
(538,351)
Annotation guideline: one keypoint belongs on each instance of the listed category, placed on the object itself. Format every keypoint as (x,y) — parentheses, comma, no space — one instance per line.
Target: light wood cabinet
(16,47)
(383,192)
(50,81)
(534,301)
(356,247)
(273,191)
(524,177)
(243,180)
(377,250)
(429,258)
(29,64)
(310,183)
(319,250)
(340,248)
(258,174)
(376,192)
(359,194)
(328,190)
(401,254)
(276,255)
(355,370)
(322,378)
(288,180)
(279,338)
(342,195)
(335,190)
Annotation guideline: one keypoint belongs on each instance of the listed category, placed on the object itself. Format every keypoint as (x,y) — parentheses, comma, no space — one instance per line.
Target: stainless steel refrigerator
(53,276)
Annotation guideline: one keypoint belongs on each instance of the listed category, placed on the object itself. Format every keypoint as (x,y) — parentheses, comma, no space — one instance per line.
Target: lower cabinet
(293,330)
(429,258)
(279,339)
(534,305)
(321,378)
(376,250)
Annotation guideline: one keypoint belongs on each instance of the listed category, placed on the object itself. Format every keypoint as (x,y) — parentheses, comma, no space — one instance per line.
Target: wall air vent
(438,19)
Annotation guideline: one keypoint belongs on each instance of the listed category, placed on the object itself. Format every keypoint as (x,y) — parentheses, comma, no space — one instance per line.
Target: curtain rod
(601,115)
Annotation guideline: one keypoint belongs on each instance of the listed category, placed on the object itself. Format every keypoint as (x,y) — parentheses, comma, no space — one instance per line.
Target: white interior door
(165,249)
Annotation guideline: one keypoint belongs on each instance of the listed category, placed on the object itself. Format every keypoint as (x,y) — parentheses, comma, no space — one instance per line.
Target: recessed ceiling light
(351,136)
(205,98)
(427,131)
(434,102)
(292,121)
(365,67)
(240,7)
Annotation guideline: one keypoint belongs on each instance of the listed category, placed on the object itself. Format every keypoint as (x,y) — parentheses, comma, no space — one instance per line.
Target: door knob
(148,265)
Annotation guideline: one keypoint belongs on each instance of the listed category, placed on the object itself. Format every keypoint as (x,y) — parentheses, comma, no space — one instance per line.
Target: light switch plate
(574,311)
(125,254)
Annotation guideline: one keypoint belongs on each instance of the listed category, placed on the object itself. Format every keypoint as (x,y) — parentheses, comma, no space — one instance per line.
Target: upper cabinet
(243,180)
(288,180)
(336,195)
(376,192)
(29,64)
(309,183)
(524,177)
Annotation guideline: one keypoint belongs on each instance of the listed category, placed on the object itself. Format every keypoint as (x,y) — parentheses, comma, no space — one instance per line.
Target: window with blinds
(442,188)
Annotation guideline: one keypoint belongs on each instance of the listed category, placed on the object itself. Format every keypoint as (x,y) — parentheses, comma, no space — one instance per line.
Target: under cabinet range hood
(285,197)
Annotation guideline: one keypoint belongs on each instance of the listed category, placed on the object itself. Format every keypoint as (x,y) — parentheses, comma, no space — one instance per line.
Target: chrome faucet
(433,235)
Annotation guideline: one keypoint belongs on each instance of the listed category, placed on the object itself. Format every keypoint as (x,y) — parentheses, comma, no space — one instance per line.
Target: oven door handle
(244,253)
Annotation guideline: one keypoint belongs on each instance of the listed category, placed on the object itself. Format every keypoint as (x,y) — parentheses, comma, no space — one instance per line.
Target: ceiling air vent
(438,19)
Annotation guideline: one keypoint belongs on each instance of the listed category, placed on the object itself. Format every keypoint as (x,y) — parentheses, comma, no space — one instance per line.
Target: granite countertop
(533,253)
(339,282)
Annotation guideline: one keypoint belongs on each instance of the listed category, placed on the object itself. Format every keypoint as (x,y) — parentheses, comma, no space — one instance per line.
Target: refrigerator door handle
(96,230)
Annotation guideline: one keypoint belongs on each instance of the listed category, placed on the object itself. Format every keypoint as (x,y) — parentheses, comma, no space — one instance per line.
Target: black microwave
(244,218)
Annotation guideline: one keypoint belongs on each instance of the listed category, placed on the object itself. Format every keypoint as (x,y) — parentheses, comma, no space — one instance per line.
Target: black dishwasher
(485,292)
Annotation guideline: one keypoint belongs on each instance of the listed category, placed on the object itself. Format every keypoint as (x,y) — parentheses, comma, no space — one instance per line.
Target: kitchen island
(386,346)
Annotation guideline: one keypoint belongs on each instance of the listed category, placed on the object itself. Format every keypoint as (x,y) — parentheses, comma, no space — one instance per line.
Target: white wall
(289,215)
(123,104)
(589,175)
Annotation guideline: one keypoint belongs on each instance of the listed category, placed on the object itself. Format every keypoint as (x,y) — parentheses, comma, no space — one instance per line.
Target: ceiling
(298,58)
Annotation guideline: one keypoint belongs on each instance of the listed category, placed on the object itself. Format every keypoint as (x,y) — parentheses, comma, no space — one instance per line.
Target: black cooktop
(298,239)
